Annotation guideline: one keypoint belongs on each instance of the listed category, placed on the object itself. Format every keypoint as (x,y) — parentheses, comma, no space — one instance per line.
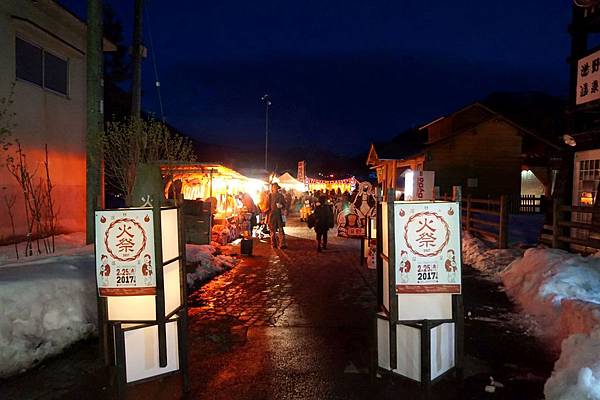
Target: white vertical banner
(418,185)
(428,258)
(125,256)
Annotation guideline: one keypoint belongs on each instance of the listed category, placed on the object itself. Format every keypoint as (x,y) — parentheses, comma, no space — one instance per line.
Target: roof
(202,168)
(405,145)
(473,115)
(287,178)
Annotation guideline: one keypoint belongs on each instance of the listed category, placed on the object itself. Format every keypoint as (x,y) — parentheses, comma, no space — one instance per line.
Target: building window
(35,65)
(55,73)
(29,62)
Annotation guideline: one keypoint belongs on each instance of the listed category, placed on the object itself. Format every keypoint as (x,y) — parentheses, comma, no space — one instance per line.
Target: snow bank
(71,243)
(210,263)
(576,374)
(486,259)
(562,292)
(560,289)
(47,304)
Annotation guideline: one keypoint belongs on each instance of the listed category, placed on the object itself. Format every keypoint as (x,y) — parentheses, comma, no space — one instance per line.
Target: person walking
(251,208)
(274,212)
(323,220)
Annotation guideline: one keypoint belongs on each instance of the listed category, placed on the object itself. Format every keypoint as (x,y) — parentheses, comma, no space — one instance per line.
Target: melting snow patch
(210,263)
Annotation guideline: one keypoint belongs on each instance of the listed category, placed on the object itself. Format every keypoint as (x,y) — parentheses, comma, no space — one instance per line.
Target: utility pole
(267,100)
(136,84)
(95,118)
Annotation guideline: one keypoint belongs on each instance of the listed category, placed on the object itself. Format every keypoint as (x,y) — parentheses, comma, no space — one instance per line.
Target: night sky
(341,73)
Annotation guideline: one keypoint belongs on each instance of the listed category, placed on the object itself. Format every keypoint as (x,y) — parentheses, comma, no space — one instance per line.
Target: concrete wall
(42,116)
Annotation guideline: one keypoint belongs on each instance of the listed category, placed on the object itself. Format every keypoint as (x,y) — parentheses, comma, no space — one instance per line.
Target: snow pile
(486,259)
(47,304)
(562,292)
(70,243)
(576,374)
(210,263)
(560,289)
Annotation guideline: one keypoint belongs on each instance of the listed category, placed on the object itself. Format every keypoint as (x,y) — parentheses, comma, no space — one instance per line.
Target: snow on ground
(212,260)
(71,243)
(48,302)
(561,291)
(483,257)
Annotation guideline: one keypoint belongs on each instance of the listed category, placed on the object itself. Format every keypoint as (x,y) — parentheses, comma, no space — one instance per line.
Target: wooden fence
(567,232)
(487,217)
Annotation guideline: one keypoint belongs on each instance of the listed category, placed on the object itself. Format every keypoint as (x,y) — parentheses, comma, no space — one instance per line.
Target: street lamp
(267,100)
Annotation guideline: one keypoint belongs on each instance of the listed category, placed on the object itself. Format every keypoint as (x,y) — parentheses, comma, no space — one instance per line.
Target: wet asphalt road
(297,324)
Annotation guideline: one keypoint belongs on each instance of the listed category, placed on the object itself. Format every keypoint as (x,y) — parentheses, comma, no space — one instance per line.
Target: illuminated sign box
(427,247)
(140,280)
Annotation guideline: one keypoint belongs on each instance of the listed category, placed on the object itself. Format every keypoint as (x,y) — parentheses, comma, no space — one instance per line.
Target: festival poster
(125,257)
(428,258)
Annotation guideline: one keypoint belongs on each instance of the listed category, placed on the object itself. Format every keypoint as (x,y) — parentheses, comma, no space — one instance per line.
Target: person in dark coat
(323,220)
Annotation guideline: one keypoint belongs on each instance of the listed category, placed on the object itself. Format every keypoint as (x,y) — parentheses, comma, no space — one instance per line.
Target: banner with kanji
(125,257)
(428,258)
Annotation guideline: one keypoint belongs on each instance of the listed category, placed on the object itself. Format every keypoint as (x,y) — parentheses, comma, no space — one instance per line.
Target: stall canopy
(288,182)
(204,181)
(345,185)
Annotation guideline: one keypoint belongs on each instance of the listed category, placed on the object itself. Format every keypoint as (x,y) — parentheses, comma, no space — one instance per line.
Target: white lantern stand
(144,337)
(419,335)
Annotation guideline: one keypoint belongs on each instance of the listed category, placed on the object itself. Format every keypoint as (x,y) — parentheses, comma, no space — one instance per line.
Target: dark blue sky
(342,73)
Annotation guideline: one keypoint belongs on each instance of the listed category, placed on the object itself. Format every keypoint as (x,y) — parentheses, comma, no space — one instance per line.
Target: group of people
(276,204)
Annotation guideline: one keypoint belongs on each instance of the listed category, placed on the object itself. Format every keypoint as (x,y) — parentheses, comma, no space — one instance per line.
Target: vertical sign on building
(125,257)
(588,79)
(301,171)
(428,254)
(418,185)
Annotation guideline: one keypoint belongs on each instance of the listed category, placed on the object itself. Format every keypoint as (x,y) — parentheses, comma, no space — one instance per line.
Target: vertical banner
(418,185)
(301,171)
(125,256)
(428,258)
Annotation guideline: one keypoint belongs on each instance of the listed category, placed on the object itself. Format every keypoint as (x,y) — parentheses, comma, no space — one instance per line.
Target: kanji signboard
(125,257)
(427,247)
(588,78)
(302,171)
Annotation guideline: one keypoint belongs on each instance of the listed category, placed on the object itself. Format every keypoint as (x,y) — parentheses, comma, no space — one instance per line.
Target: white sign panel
(419,185)
(428,255)
(125,257)
(588,78)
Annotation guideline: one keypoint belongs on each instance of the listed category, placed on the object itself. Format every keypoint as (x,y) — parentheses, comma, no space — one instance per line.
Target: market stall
(288,182)
(219,186)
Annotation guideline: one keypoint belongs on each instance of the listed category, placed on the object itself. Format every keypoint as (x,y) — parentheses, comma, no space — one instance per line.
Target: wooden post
(555,221)
(503,230)
(136,82)
(468,223)
(95,118)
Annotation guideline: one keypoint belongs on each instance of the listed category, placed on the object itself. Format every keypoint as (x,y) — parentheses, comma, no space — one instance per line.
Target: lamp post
(267,100)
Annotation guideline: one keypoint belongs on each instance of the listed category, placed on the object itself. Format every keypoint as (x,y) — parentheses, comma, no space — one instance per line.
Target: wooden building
(583,134)
(476,148)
